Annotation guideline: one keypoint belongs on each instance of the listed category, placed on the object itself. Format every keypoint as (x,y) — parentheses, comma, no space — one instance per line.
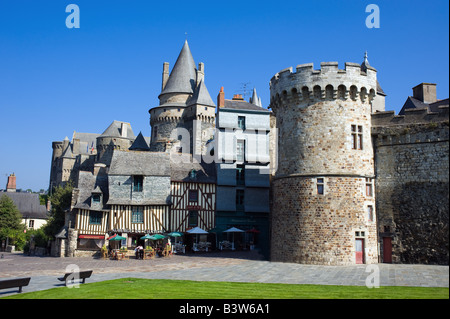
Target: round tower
(323,189)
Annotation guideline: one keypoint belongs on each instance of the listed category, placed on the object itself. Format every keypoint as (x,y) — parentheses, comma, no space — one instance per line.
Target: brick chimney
(221,98)
(425,92)
(11,185)
(238,97)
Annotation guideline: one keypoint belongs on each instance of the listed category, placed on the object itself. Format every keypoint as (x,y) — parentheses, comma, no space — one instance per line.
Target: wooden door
(359,251)
(387,250)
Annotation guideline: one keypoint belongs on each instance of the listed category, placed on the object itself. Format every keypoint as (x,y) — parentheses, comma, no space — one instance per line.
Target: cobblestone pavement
(222,266)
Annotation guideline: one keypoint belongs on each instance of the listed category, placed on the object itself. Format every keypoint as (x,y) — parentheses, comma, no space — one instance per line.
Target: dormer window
(96,198)
(138,183)
(193,174)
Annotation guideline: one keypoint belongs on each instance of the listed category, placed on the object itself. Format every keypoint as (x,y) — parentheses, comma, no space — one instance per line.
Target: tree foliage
(11,225)
(60,200)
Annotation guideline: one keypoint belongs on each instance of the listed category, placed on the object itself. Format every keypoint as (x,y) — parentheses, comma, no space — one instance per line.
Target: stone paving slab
(235,267)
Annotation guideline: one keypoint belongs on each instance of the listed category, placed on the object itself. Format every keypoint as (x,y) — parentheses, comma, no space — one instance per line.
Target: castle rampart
(412,185)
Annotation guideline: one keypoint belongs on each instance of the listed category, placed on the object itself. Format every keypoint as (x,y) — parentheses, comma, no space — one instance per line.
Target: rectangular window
(31,224)
(320,186)
(193,218)
(193,195)
(138,182)
(240,199)
(241,122)
(369,190)
(370,213)
(240,151)
(357,137)
(95,218)
(240,175)
(137,215)
(96,198)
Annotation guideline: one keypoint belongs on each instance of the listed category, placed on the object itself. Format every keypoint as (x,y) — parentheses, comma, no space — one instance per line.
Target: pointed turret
(255,99)
(201,96)
(139,144)
(182,79)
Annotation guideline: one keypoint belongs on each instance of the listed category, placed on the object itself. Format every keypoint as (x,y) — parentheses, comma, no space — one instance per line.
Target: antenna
(244,89)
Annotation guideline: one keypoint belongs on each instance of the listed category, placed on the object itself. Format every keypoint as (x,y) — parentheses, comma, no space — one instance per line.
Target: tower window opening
(369,187)
(320,186)
(357,137)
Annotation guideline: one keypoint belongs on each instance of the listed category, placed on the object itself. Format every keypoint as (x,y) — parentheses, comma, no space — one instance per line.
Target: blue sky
(55,80)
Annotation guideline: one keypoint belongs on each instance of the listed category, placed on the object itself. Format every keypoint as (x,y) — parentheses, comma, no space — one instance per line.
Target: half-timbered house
(193,192)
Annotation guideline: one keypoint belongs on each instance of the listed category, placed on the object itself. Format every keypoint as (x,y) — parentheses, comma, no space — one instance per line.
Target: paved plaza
(221,266)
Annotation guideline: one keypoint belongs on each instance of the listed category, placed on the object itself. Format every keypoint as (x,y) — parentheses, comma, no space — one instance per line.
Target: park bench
(82,275)
(14,283)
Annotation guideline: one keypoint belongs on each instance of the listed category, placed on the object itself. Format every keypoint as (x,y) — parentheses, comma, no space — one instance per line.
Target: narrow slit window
(320,186)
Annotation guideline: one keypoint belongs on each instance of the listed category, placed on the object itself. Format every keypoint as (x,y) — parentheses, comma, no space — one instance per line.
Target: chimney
(76,146)
(11,185)
(200,72)
(238,97)
(165,75)
(221,98)
(425,92)
(99,169)
(123,130)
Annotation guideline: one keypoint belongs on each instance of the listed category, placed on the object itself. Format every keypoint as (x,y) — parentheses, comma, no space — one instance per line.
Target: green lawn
(133,288)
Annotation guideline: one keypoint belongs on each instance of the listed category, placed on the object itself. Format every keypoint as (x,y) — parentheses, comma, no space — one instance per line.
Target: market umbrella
(117,238)
(175,234)
(158,236)
(197,231)
(146,237)
(233,230)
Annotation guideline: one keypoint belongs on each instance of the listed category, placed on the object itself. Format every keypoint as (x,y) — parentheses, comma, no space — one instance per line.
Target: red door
(359,245)
(387,250)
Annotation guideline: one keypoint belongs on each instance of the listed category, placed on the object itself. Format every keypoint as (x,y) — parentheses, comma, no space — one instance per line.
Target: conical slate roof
(115,130)
(201,96)
(183,76)
(255,99)
(139,144)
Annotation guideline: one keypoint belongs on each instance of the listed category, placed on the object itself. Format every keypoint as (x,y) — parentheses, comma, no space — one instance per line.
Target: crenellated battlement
(327,83)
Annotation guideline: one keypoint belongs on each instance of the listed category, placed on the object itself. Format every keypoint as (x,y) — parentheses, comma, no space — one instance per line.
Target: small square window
(96,198)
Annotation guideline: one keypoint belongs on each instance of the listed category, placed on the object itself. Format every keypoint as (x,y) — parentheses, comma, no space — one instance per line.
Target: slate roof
(139,144)
(88,184)
(412,103)
(115,130)
(88,142)
(140,163)
(434,107)
(183,76)
(201,96)
(28,204)
(181,172)
(243,105)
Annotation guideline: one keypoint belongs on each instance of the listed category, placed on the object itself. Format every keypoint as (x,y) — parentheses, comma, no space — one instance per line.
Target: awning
(92,236)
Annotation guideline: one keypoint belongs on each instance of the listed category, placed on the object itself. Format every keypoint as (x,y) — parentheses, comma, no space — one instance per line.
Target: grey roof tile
(183,76)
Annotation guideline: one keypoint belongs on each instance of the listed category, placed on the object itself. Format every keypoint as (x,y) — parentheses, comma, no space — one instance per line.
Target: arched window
(329,91)
(341,91)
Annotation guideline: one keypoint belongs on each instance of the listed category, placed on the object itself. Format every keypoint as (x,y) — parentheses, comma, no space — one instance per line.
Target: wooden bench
(76,275)
(15,283)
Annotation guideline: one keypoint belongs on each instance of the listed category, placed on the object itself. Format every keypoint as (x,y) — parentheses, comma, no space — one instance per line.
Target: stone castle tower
(323,196)
(185,104)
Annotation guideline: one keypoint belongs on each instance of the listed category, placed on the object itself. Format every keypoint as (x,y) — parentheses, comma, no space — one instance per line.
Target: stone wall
(320,229)
(412,185)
